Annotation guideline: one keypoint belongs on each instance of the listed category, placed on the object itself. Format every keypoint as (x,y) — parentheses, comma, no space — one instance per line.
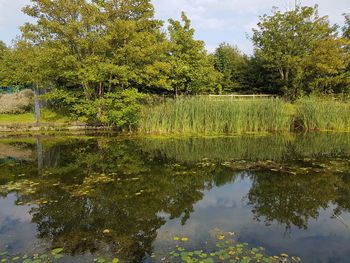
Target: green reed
(204,115)
(323,114)
(213,116)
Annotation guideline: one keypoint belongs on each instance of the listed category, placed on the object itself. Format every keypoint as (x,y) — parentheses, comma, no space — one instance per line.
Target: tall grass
(323,114)
(202,115)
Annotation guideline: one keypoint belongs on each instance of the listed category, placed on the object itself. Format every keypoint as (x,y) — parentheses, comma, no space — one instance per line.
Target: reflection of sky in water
(16,230)
(326,239)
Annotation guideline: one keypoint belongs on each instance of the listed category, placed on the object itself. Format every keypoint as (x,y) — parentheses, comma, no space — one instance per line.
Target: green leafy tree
(98,46)
(303,48)
(3,48)
(23,66)
(191,70)
(346,35)
(257,78)
(229,61)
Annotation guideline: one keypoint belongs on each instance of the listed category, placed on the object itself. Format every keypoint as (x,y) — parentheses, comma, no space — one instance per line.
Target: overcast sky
(215,21)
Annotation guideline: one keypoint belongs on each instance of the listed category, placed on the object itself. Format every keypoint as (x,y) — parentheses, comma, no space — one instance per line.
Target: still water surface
(277,191)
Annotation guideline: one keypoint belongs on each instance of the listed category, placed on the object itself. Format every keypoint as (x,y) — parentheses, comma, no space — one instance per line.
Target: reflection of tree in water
(294,199)
(130,206)
(149,178)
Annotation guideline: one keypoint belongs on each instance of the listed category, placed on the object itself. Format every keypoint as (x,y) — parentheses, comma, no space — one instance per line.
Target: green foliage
(230,63)
(303,49)
(191,70)
(23,66)
(120,109)
(3,48)
(97,45)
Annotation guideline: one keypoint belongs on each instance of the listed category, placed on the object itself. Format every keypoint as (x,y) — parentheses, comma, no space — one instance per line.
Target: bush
(120,109)
(17,103)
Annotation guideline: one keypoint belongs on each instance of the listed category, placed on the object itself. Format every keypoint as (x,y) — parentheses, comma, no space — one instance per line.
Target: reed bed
(202,115)
(323,114)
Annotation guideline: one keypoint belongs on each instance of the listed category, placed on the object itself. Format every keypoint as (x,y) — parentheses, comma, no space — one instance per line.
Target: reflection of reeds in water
(205,116)
(251,147)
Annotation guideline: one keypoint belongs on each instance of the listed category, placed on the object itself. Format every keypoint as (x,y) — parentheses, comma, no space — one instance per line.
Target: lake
(106,196)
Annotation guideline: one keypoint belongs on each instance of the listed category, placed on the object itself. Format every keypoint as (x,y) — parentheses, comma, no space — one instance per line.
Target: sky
(215,21)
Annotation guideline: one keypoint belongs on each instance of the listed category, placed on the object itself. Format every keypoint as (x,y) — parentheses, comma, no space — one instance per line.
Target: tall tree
(303,48)
(98,46)
(191,70)
(229,61)
(3,48)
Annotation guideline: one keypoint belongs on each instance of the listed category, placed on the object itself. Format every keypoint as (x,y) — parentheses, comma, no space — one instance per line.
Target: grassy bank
(47,116)
(203,115)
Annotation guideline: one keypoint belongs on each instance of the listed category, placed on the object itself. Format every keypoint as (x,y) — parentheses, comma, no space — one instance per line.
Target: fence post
(37,110)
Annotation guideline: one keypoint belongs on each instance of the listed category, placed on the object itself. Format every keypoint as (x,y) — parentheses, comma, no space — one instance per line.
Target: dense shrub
(118,109)
(17,103)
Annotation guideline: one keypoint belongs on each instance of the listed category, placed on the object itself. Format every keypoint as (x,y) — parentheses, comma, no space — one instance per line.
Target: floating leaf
(55,251)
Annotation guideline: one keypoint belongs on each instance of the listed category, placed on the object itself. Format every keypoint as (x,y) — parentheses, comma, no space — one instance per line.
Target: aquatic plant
(202,115)
(323,114)
(226,249)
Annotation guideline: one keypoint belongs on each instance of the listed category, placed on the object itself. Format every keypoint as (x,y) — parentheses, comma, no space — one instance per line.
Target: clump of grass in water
(202,115)
(323,114)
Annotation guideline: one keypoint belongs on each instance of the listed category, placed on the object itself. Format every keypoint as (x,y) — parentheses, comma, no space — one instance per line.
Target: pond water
(106,196)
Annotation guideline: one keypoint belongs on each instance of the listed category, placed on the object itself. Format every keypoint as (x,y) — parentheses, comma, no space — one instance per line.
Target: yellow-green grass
(47,116)
(17,118)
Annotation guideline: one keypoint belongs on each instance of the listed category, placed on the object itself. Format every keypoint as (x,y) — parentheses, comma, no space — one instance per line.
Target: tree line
(100,52)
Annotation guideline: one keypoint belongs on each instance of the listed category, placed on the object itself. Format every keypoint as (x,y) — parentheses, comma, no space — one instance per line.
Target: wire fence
(10,90)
